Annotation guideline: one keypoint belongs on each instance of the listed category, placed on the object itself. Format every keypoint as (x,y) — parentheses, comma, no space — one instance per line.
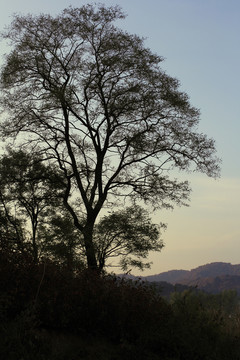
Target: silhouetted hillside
(213,278)
(165,289)
(219,284)
(211,270)
(172,276)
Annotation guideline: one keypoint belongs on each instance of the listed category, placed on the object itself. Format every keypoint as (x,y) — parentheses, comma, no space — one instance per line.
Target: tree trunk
(70,258)
(34,221)
(89,247)
(34,242)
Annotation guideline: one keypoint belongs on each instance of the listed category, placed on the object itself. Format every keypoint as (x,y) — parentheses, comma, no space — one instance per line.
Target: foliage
(30,193)
(97,104)
(48,312)
(127,235)
(11,232)
(63,242)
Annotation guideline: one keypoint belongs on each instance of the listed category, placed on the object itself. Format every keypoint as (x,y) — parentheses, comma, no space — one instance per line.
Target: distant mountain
(191,277)
(213,278)
(218,284)
(212,270)
(172,277)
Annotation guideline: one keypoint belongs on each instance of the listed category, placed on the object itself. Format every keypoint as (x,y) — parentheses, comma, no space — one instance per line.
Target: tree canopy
(94,100)
(127,235)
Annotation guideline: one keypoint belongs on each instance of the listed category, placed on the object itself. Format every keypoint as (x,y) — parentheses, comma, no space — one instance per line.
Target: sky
(199,41)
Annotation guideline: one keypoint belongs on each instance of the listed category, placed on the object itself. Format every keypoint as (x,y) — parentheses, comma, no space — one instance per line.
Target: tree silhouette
(30,192)
(127,235)
(63,241)
(96,102)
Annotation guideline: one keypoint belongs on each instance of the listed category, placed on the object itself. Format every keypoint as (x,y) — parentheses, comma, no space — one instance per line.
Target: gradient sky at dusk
(200,43)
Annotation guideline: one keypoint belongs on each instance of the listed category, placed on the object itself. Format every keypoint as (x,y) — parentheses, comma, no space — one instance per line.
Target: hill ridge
(213,277)
(208,270)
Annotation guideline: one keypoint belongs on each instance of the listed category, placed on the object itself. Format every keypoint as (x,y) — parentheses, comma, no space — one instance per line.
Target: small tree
(11,234)
(127,235)
(30,192)
(63,241)
(97,102)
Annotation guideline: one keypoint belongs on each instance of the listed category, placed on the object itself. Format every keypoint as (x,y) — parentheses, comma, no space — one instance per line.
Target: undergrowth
(46,312)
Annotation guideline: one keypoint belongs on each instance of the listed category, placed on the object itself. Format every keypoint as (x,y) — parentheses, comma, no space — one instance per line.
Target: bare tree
(94,99)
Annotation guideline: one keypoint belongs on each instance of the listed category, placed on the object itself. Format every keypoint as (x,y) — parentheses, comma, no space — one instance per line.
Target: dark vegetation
(48,312)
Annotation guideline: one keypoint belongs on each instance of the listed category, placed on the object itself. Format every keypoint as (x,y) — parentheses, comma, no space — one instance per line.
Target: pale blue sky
(200,43)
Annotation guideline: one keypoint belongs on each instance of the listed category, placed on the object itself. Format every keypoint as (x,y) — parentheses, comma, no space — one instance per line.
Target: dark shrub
(48,298)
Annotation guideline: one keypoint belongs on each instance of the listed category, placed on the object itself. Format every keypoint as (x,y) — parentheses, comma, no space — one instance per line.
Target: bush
(46,298)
